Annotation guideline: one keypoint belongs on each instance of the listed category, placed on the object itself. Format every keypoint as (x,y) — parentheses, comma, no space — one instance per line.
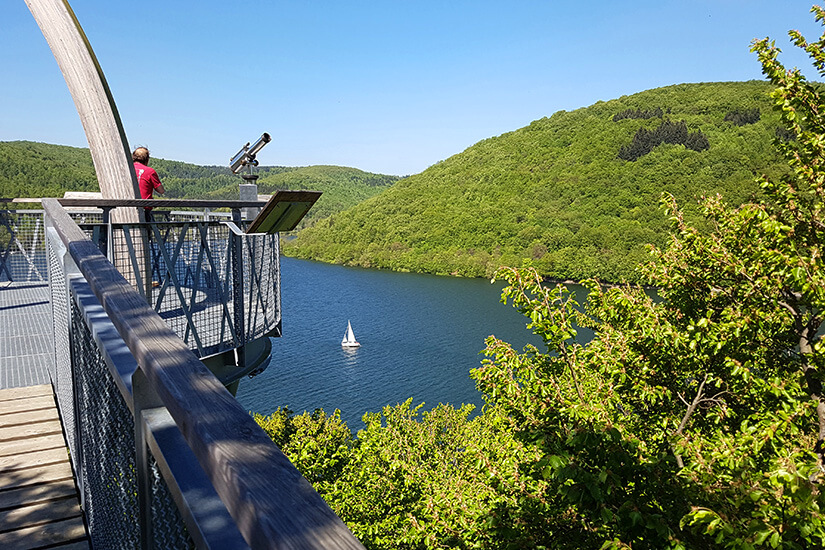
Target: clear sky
(390,87)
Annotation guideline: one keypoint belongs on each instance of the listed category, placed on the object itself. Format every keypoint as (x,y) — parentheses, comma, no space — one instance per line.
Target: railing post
(106,235)
(238,288)
(144,399)
(146,240)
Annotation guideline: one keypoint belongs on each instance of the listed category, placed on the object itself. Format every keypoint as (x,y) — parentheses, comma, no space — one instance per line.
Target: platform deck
(26,328)
(39,505)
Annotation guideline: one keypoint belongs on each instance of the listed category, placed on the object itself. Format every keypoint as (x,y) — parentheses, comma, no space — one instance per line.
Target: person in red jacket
(148,179)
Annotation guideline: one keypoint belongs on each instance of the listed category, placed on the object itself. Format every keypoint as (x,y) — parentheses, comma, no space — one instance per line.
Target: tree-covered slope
(29,169)
(342,187)
(557,191)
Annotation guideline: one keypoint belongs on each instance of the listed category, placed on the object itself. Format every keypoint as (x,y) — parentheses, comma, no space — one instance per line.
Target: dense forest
(577,193)
(343,188)
(29,169)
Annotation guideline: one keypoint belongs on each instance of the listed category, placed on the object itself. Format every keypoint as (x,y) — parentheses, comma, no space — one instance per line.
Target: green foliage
(694,418)
(683,424)
(342,187)
(316,443)
(417,479)
(675,133)
(40,170)
(638,114)
(556,193)
(742,117)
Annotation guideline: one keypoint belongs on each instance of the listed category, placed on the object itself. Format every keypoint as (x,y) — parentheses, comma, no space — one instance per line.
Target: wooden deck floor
(38,500)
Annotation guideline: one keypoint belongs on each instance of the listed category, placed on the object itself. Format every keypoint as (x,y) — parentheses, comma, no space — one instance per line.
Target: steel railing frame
(246,269)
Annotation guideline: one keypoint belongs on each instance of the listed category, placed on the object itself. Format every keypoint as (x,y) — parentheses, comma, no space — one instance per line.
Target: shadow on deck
(39,504)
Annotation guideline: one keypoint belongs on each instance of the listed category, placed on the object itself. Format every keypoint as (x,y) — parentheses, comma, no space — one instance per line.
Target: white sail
(349,340)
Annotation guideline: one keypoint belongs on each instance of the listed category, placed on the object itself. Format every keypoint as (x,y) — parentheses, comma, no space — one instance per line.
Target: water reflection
(350,357)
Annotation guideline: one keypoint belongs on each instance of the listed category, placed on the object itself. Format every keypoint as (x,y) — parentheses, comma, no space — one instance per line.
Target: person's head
(141,155)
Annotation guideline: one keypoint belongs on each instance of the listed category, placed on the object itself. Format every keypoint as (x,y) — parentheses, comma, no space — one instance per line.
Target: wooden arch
(93,100)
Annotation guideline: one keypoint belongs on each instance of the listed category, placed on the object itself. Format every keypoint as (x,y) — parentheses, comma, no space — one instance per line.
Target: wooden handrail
(271,503)
(154,203)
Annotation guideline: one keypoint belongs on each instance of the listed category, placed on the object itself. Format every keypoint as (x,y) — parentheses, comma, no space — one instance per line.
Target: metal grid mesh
(107,445)
(61,373)
(262,284)
(187,272)
(107,456)
(193,216)
(169,530)
(87,215)
(23,244)
(185,269)
(188,278)
(22,248)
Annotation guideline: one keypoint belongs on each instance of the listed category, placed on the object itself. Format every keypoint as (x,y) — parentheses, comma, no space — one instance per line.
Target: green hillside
(35,170)
(557,191)
(342,187)
(29,169)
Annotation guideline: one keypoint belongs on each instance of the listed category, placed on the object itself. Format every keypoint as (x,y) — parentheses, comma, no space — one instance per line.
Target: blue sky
(390,87)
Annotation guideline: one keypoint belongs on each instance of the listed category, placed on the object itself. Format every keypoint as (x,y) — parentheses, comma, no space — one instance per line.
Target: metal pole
(238,289)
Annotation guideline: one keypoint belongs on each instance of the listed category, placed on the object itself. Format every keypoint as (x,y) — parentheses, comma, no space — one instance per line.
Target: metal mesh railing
(197,216)
(261,285)
(23,244)
(22,248)
(61,373)
(99,425)
(215,288)
(106,451)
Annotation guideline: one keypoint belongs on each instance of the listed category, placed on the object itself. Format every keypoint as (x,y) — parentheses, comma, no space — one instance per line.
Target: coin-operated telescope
(245,158)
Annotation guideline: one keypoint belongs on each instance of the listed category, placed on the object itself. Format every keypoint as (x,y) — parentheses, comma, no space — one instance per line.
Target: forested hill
(29,169)
(578,193)
(342,187)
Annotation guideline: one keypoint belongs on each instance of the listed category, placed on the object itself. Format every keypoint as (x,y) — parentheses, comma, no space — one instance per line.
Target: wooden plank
(69,530)
(28,417)
(28,404)
(11,498)
(30,430)
(160,203)
(80,202)
(29,515)
(34,459)
(34,476)
(26,391)
(43,442)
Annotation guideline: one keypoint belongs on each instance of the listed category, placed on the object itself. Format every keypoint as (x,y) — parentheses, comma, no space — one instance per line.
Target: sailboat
(349,340)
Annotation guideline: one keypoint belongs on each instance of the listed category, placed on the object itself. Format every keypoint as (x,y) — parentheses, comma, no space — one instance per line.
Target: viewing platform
(118,428)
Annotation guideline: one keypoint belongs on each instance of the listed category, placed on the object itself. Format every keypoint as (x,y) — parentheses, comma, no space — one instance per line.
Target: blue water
(420,335)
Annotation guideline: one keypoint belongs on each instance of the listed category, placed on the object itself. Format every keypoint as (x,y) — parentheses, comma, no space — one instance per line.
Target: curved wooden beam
(93,100)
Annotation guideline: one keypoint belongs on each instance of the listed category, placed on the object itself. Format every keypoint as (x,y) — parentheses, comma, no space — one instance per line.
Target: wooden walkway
(38,500)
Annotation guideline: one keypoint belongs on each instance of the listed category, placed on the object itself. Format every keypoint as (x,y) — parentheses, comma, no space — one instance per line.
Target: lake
(420,335)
